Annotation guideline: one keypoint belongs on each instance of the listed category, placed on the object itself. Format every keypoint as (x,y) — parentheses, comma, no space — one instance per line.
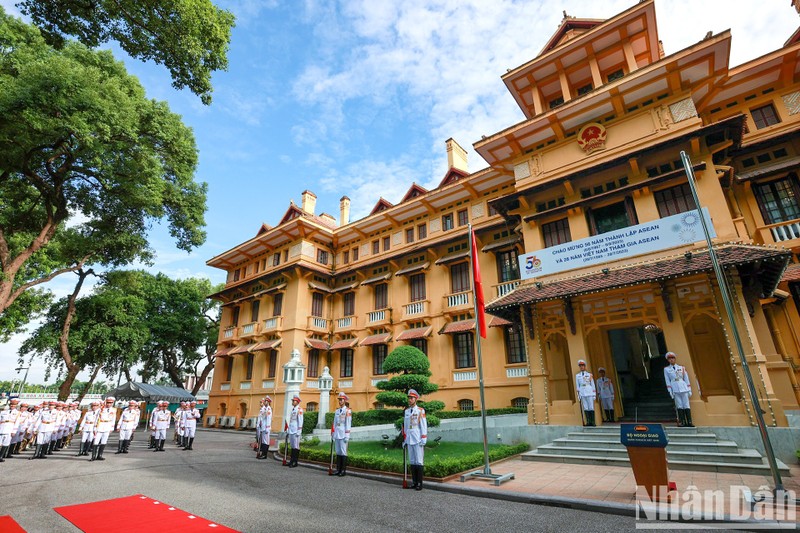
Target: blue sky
(357,97)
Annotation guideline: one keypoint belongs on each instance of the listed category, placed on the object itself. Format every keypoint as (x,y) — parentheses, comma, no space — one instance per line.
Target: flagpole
(479,330)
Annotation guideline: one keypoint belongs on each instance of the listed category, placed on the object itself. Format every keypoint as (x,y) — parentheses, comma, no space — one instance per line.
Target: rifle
(330,466)
(285,442)
(405,466)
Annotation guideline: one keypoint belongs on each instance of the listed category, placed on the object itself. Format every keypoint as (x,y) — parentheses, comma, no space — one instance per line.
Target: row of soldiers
(50,426)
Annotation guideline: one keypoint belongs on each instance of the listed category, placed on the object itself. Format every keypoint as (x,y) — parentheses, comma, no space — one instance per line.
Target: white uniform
(264,424)
(104,425)
(9,423)
(127,423)
(189,422)
(584,384)
(678,385)
(22,426)
(44,426)
(605,389)
(295,426)
(415,431)
(342,420)
(87,425)
(161,421)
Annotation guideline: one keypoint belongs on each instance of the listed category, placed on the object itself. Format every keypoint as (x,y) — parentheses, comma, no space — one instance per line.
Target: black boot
(344,466)
(262,451)
(590,418)
(94,452)
(190,441)
(119,447)
(80,449)
(100,453)
(681,418)
(611,414)
(3,453)
(420,470)
(161,445)
(152,443)
(15,448)
(125,445)
(294,458)
(687,416)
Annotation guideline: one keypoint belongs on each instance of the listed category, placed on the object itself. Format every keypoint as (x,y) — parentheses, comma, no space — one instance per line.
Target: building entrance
(638,355)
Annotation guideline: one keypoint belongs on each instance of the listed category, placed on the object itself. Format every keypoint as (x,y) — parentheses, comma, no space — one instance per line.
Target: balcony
(469,375)
(268,384)
(245,385)
(317,323)
(505,288)
(458,301)
(248,330)
(225,386)
(378,317)
(272,324)
(785,231)
(345,383)
(517,372)
(229,333)
(414,309)
(374,381)
(345,323)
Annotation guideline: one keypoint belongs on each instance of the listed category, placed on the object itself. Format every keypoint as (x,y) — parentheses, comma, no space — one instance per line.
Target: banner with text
(668,232)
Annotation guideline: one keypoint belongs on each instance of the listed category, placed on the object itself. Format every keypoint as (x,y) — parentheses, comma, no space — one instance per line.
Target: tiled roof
(415,333)
(268,345)
(772,260)
(317,344)
(792,273)
(380,338)
(344,343)
(242,349)
(412,269)
(468,325)
(223,352)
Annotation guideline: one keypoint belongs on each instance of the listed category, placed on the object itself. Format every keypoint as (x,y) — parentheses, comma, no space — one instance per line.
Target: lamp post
(24,378)
(293,377)
(325,386)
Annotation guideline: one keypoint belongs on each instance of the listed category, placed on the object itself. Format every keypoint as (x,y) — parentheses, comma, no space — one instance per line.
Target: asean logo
(533,263)
(592,137)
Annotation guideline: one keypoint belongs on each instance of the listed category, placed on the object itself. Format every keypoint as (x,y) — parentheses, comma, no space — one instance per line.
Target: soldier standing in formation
(340,432)
(680,389)
(295,429)
(584,384)
(87,428)
(23,426)
(161,420)
(43,427)
(263,427)
(8,426)
(606,391)
(415,436)
(189,419)
(103,428)
(178,417)
(126,425)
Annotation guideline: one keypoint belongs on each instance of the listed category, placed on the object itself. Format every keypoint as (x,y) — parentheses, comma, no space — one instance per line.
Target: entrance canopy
(151,393)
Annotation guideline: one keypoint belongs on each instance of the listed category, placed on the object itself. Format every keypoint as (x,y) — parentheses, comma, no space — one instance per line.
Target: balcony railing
(465,376)
(785,231)
(315,322)
(414,309)
(272,324)
(312,384)
(229,332)
(249,329)
(268,384)
(376,316)
(346,322)
(517,372)
(345,384)
(458,299)
(505,288)
(225,386)
(245,385)
(374,381)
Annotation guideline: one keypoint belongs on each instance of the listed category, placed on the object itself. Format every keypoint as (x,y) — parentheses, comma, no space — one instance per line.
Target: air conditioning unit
(211,421)
(251,422)
(228,421)
(243,423)
(223,421)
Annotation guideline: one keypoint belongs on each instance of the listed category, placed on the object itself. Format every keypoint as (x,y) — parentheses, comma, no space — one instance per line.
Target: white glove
(690,393)
(671,395)
(424,442)
(346,440)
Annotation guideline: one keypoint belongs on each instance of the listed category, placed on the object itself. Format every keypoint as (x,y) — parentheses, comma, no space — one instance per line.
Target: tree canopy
(413,370)
(189,37)
(87,162)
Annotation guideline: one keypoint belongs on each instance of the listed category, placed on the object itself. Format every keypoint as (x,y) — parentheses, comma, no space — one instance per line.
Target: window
(236,275)
(235,318)
(273,363)
(422,231)
(381,296)
(249,370)
(466,405)
(229,369)
(520,403)
(276,259)
(492,209)
(617,74)
(312,407)
(447,222)
(355,254)
(254,310)
(386,244)
(378,406)
(556,232)
(585,89)
(285,255)
(410,235)
(463,219)
(346,256)
(555,102)
(316,304)
(376,247)
(346,364)
(313,364)
(465,354)
(764,116)
(611,217)
(515,349)
(378,357)
(778,200)
(674,200)
(277,304)
(459,278)
(322,257)
(349,304)
(417,284)
(421,345)
(507,266)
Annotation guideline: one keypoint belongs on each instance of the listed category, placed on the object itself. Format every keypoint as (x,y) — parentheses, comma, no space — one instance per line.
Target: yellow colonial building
(591,247)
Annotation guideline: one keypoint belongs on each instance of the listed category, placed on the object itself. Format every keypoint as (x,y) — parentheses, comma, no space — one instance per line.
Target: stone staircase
(688,449)
(651,403)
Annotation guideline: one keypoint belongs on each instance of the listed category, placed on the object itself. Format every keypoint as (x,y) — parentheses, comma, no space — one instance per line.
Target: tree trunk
(202,379)
(175,376)
(88,384)
(69,379)
(63,340)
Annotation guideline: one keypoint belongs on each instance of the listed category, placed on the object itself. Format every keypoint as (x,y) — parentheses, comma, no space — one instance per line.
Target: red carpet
(134,514)
(9,525)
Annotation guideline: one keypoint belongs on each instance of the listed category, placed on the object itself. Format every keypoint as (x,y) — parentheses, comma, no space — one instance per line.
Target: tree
(189,37)
(80,143)
(413,370)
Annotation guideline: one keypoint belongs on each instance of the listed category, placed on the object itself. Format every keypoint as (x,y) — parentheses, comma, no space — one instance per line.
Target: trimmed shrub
(489,412)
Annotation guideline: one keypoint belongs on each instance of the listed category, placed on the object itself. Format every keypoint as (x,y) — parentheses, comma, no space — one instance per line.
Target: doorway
(638,356)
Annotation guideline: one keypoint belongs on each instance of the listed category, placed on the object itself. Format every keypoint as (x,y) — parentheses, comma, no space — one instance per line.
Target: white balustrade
(458,299)
(374,381)
(376,316)
(465,376)
(345,322)
(320,323)
(517,372)
(228,333)
(312,384)
(225,386)
(245,385)
(786,232)
(271,323)
(345,384)
(507,287)
(415,308)
(268,384)
(248,329)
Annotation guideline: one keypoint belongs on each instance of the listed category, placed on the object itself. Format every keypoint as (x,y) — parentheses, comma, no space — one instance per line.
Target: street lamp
(24,379)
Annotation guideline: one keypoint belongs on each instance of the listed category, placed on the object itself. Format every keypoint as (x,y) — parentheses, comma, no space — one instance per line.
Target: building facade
(607,114)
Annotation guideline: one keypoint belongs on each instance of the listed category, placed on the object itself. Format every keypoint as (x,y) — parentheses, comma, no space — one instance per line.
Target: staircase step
(673,437)
(740,457)
(677,445)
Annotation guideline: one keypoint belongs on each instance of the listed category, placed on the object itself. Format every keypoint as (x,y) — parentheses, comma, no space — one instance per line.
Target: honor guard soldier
(606,391)
(680,389)
(189,421)
(106,419)
(43,427)
(161,419)
(23,425)
(415,436)
(57,441)
(295,430)
(151,424)
(126,425)
(87,428)
(584,384)
(30,432)
(263,427)
(340,433)
(178,418)
(8,426)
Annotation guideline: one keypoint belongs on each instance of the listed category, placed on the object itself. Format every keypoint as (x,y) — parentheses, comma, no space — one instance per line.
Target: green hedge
(489,412)
(434,467)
